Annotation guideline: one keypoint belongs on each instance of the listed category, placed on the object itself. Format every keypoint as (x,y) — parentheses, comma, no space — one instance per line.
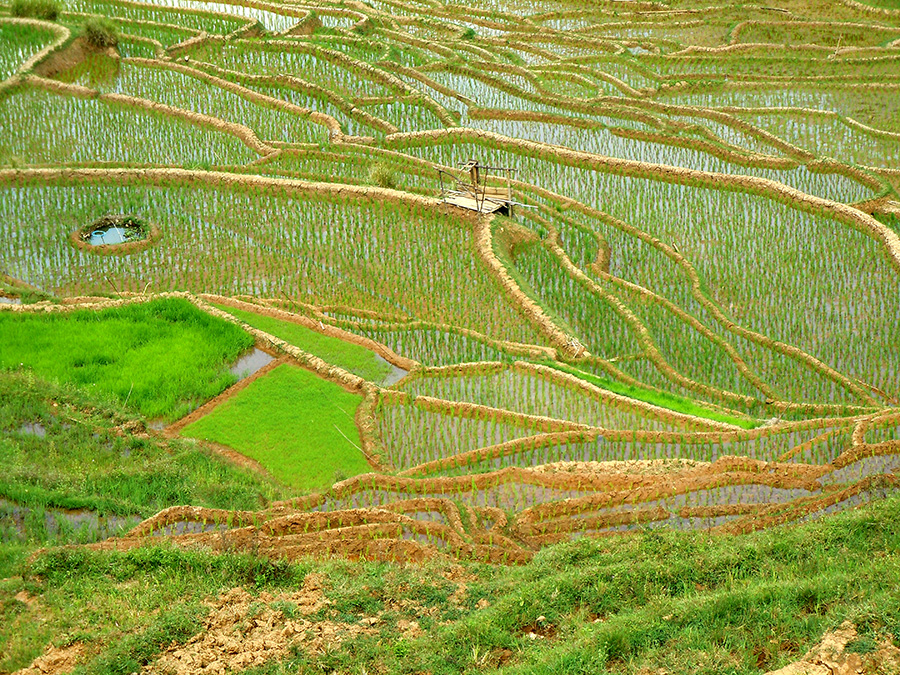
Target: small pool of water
(250,363)
(114,234)
(70,525)
(10,301)
(394,376)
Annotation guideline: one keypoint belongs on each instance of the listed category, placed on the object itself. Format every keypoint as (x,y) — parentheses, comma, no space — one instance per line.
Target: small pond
(114,235)
(115,229)
(248,364)
(33,429)
(394,376)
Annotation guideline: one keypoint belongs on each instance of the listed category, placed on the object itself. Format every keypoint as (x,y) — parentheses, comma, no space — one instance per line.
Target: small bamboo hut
(486,189)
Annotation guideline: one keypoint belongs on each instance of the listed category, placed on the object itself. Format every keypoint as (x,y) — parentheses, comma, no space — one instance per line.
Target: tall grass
(109,352)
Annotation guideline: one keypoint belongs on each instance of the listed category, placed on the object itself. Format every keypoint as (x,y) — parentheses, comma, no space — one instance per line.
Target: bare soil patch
(832,657)
(55,661)
(66,59)
(243,631)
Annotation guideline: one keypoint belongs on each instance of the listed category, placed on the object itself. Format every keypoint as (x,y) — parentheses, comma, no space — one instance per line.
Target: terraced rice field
(688,320)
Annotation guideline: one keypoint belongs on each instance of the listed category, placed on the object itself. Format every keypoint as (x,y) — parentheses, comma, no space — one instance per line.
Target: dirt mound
(54,661)
(646,467)
(832,657)
(71,56)
(243,631)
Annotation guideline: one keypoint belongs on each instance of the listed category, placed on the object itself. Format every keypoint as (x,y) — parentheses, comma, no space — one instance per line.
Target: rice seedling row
(412,435)
(203,17)
(532,395)
(292,59)
(220,227)
(182,91)
(18,43)
(506,496)
(607,448)
(74,130)
(681,289)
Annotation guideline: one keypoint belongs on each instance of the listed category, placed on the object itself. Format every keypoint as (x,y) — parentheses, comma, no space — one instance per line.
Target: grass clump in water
(100,32)
(47,10)
(381,175)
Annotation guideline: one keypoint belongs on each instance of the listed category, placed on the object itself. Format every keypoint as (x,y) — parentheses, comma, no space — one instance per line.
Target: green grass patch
(163,358)
(297,425)
(125,607)
(661,399)
(358,360)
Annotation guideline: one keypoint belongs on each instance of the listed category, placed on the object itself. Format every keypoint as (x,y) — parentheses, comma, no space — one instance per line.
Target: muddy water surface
(394,376)
(250,363)
(79,524)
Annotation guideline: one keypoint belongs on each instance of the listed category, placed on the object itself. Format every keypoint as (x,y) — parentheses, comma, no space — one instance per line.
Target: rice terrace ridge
(411,336)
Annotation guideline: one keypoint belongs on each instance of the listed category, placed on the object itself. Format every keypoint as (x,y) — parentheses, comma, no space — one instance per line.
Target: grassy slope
(347,355)
(108,351)
(85,462)
(297,425)
(128,607)
(686,602)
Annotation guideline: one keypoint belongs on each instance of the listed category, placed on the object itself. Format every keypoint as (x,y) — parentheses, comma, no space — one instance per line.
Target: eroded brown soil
(640,467)
(832,657)
(243,631)
(55,661)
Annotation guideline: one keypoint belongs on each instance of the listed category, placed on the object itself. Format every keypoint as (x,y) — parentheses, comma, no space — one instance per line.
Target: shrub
(48,10)
(382,176)
(100,32)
